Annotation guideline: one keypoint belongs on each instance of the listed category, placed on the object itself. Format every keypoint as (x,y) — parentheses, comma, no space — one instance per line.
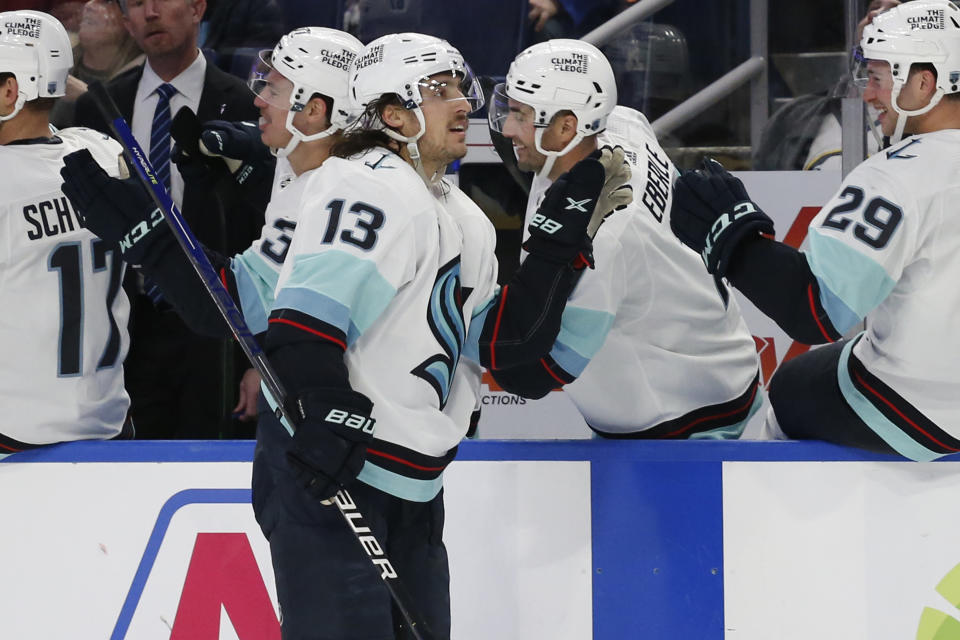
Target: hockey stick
(221,297)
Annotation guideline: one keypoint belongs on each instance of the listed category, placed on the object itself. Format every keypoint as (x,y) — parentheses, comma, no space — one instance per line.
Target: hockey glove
(712,214)
(558,231)
(330,443)
(203,152)
(617,192)
(119,211)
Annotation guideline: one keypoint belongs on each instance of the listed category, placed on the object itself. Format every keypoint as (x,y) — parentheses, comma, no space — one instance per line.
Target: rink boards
(559,540)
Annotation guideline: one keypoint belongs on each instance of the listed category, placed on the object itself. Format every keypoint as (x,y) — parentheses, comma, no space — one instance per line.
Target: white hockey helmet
(401,64)
(35,48)
(922,31)
(553,76)
(314,60)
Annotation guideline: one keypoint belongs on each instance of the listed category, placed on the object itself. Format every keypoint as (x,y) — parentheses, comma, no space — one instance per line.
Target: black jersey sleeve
(778,280)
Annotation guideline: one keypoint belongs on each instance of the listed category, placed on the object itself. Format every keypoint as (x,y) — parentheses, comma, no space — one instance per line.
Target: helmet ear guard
(36,49)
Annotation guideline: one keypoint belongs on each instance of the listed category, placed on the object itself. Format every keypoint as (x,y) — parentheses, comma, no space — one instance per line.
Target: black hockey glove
(203,152)
(558,231)
(330,444)
(119,211)
(712,213)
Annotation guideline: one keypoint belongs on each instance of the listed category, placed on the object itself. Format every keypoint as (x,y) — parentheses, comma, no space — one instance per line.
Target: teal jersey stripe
(841,316)
(256,282)
(582,333)
(317,306)
(851,284)
(568,359)
(398,485)
(351,282)
(873,418)
(471,348)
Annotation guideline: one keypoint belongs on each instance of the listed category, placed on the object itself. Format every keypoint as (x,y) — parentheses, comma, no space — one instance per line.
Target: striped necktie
(160,135)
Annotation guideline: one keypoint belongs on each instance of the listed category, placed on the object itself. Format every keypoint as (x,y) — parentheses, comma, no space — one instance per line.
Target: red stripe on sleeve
(813,312)
(552,374)
(496,328)
(297,325)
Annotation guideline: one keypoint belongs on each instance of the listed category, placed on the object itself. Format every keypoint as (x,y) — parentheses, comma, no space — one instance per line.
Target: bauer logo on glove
(352,420)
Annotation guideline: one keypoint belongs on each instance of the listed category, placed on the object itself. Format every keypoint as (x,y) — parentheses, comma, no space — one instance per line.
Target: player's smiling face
(518,128)
(445,111)
(914,94)
(273,101)
(877,93)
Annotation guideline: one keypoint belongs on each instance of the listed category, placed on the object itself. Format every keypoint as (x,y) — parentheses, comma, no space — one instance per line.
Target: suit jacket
(223,216)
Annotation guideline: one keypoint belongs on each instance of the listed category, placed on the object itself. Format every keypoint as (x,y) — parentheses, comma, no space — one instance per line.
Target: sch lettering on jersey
(51,217)
(657,189)
(374,56)
(933,20)
(337,59)
(573,63)
(26,27)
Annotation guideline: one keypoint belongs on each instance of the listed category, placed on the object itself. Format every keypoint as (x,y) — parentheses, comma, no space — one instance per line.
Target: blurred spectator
(550,19)
(805,134)
(104,49)
(181,385)
(66,11)
(230,26)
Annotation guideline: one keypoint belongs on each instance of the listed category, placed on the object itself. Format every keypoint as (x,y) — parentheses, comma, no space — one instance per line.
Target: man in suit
(181,385)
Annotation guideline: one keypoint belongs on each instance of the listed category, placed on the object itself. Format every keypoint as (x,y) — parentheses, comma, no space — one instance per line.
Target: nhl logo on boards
(26,27)
(933,20)
(573,63)
(374,56)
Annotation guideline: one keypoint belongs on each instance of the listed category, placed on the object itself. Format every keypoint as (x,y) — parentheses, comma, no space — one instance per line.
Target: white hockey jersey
(257,269)
(400,271)
(646,332)
(886,249)
(63,332)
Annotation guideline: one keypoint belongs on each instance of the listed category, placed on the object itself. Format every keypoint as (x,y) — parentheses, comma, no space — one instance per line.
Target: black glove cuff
(729,231)
(558,252)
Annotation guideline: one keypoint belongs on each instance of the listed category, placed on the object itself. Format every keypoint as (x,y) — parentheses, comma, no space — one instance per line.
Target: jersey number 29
(880,215)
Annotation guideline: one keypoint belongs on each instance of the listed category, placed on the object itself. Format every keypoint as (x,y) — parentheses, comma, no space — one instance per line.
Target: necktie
(160,159)
(160,135)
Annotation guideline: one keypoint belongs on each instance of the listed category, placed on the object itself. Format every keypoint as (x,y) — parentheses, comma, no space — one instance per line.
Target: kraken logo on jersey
(445,317)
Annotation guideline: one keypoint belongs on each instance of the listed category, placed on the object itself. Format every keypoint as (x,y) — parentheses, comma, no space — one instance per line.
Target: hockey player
(648,346)
(884,249)
(374,334)
(301,91)
(64,327)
